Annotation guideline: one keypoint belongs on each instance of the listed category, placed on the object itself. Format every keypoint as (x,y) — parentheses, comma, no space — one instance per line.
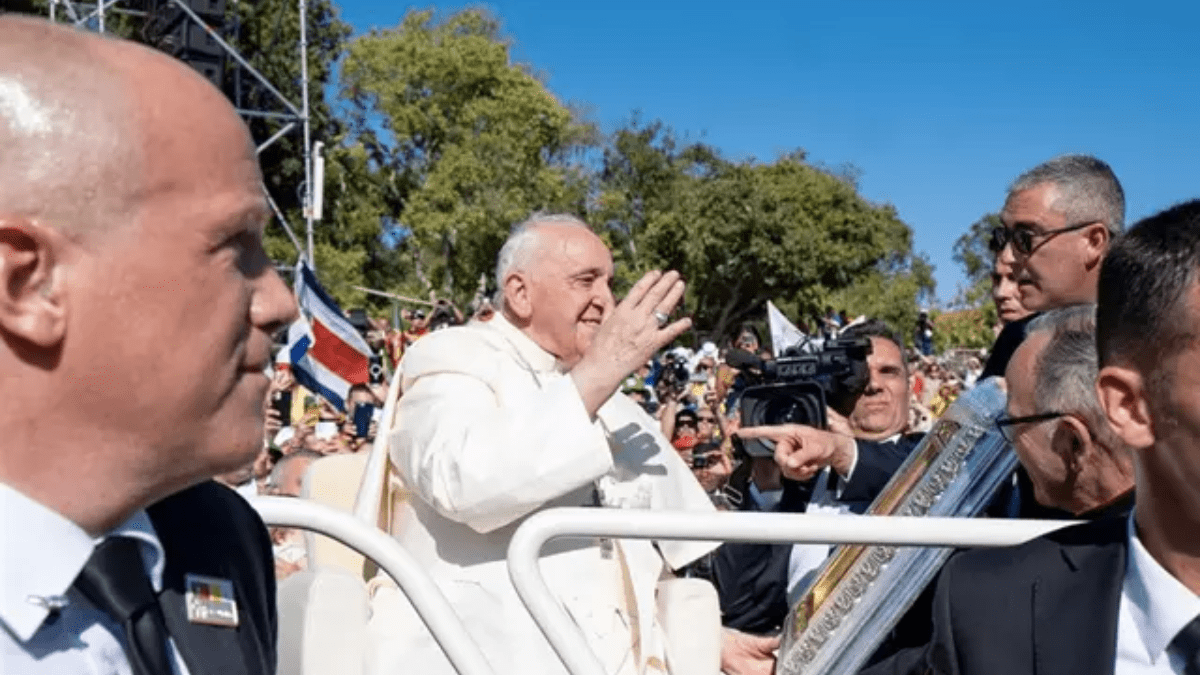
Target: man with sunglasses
(1113,595)
(1058,221)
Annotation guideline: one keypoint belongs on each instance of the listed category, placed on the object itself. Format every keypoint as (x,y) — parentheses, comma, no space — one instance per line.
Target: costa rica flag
(327,353)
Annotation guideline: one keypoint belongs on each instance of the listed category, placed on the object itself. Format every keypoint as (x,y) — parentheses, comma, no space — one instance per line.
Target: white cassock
(488,430)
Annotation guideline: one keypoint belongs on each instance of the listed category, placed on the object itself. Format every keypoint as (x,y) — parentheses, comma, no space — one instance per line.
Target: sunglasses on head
(1022,237)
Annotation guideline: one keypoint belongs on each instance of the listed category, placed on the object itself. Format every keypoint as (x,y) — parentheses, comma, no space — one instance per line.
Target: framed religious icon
(842,611)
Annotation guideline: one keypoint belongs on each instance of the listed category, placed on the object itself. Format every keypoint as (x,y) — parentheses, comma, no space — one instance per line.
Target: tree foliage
(437,142)
(743,233)
(972,253)
(470,142)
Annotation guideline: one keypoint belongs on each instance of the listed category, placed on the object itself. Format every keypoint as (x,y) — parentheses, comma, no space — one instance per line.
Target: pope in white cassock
(502,418)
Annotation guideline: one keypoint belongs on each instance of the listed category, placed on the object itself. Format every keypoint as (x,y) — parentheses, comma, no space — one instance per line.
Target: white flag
(783,333)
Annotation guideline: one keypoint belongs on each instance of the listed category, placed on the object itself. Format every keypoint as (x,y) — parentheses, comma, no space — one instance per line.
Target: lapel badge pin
(210,601)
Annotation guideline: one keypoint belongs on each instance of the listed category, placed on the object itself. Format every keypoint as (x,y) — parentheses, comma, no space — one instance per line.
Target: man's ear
(1122,393)
(1096,240)
(32,308)
(1073,441)
(517,299)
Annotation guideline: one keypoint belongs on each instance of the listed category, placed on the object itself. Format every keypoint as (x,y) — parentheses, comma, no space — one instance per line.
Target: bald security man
(136,312)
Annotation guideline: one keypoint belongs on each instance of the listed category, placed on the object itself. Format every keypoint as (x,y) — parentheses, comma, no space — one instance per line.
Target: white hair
(1067,367)
(522,243)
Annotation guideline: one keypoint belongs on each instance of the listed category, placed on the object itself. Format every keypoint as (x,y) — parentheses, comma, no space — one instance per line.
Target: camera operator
(838,470)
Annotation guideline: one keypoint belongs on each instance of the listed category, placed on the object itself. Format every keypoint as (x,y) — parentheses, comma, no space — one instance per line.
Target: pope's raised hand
(636,329)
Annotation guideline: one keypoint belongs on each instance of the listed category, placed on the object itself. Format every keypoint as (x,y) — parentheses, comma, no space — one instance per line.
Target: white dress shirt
(1155,606)
(42,553)
(806,559)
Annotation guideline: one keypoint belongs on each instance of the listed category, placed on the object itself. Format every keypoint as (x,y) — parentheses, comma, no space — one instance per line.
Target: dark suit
(751,579)
(210,530)
(1047,607)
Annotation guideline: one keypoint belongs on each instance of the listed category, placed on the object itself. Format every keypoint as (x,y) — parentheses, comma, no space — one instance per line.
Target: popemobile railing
(426,599)
(562,633)
(566,638)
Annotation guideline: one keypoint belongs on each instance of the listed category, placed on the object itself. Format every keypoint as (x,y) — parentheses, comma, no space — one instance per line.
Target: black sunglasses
(1021,237)
(1006,423)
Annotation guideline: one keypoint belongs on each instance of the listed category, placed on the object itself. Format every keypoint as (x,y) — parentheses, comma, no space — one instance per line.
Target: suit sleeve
(877,462)
(939,657)
(485,441)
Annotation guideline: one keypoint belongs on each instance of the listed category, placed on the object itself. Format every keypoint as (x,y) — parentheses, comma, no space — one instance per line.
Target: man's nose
(606,300)
(274,305)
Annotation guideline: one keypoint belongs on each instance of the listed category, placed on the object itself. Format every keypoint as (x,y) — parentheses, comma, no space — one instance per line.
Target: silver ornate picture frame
(856,597)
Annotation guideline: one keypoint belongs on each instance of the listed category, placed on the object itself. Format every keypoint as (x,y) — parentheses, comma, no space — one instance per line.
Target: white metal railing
(568,641)
(426,599)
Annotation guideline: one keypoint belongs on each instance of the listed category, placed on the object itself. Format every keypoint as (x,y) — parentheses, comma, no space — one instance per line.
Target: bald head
(64,125)
(136,301)
(81,117)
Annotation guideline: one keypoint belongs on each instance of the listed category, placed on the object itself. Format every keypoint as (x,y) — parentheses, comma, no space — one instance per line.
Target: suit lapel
(207,650)
(1075,604)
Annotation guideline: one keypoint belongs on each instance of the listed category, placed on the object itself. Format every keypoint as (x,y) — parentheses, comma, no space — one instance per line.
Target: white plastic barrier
(569,642)
(425,597)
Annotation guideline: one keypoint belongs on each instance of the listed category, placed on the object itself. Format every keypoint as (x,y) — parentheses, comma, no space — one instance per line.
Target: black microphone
(743,360)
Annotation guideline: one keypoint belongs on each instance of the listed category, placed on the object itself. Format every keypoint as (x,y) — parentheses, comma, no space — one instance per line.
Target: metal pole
(100,15)
(567,639)
(428,601)
(308,186)
(183,7)
(53,8)
(276,136)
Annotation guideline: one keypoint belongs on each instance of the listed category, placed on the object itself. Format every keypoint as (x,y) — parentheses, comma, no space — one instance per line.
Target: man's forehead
(1030,207)
(1019,375)
(884,351)
(576,249)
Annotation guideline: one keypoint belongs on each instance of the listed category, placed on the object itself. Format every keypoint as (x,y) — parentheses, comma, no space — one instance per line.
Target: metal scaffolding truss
(94,15)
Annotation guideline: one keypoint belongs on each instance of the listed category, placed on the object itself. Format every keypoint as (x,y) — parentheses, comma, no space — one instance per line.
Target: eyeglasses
(686,423)
(1021,237)
(708,420)
(1006,423)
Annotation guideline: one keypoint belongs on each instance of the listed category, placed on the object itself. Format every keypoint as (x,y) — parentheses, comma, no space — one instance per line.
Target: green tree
(743,233)
(971,251)
(468,141)
(895,290)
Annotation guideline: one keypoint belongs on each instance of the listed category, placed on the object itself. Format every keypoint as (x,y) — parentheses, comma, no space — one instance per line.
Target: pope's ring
(661,318)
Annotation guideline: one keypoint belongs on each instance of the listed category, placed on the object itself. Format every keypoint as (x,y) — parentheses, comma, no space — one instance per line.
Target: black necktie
(1187,645)
(115,581)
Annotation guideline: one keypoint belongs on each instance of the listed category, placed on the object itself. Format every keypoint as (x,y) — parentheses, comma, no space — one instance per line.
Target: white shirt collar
(43,552)
(539,359)
(1160,604)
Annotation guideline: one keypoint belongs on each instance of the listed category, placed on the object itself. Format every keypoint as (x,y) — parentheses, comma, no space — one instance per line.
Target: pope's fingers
(635,295)
(671,300)
(671,331)
(665,285)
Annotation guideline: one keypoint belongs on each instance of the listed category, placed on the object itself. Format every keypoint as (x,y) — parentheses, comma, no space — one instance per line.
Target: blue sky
(939,105)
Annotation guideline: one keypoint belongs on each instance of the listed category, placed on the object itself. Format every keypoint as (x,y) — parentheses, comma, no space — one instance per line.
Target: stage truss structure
(95,16)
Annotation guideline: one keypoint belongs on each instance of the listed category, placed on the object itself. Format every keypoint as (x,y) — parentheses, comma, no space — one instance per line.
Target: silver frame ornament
(860,592)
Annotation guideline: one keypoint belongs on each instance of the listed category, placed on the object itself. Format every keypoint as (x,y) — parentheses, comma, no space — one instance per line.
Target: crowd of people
(122,556)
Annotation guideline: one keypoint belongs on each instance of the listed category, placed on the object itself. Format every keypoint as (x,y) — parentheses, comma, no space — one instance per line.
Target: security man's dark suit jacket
(210,530)
(1047,607)
(751,579)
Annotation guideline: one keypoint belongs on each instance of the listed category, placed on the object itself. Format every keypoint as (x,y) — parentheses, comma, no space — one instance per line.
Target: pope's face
(570,290)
